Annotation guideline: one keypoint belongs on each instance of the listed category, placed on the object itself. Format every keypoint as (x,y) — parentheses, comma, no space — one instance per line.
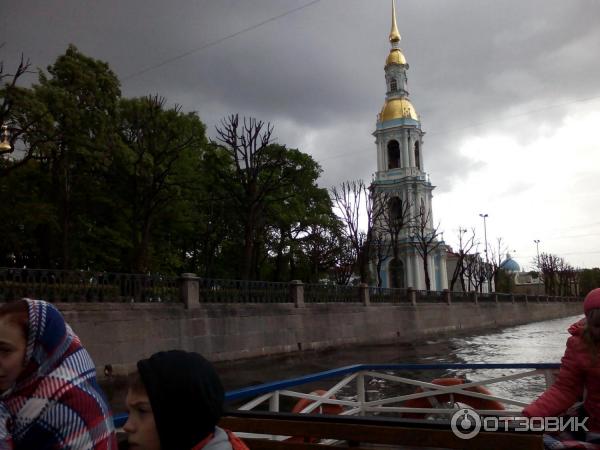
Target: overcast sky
(508,91)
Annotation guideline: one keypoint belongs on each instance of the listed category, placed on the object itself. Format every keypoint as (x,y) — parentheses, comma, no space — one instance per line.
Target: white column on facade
(415,202)
(432,273)
(443,270)
(429,207)
(418,268)
(421,153)
(405,160)
(408,269)
(411,152)
(380,166)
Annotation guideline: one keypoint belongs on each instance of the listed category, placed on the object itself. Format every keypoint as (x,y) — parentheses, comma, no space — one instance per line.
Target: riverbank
(117,335)
(537,342)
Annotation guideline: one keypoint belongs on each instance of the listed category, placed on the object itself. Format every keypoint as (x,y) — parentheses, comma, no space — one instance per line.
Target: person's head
(13,342)
(140,426)
(175,399)
(591,307)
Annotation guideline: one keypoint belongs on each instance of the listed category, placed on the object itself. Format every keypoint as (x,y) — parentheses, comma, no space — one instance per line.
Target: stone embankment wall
(120,334)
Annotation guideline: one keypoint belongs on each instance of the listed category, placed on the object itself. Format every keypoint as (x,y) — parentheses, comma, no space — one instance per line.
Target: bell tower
(401,176)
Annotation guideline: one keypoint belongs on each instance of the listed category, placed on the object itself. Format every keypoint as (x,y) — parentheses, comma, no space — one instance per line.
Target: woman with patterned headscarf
(49,395)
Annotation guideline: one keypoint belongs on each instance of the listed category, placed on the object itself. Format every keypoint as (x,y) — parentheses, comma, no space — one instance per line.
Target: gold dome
(395,57)
(397,108)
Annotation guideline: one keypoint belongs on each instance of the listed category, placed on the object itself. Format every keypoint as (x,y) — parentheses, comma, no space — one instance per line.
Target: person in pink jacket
(579,375)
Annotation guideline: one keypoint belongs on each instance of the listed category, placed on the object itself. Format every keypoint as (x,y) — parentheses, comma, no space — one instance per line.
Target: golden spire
(394,33)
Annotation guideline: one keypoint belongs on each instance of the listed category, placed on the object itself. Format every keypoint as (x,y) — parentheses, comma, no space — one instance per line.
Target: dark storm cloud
(475,66)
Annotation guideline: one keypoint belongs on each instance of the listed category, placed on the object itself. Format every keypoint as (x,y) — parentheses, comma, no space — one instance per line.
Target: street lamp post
(537,248)
(487,262)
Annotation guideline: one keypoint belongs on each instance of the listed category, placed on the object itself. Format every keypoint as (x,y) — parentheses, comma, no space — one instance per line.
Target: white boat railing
(357,379)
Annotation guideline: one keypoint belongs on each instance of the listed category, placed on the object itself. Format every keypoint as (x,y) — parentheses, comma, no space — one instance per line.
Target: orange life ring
(473,402)
(322,409)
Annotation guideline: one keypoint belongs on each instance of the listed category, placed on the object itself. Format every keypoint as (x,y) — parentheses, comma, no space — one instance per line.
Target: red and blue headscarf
(56,402)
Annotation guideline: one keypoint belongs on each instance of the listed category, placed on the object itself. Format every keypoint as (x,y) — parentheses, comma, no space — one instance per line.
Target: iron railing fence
(506,298)
(429,296)
(93,286)
(239,291)
(485,297)
(520,298)
(86,286)
(388,295)
(461,297)
(330,293)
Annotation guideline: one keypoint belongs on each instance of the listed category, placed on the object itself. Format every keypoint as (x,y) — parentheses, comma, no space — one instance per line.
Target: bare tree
(424,238)
(466,243)
(558,275)
(21,113)
(566,278)
(256,169)
(394,217)
(480,273)
(496,257)
(345,263)
(549,265)
(9,85)
(356,206)
(471,270)
(381,252)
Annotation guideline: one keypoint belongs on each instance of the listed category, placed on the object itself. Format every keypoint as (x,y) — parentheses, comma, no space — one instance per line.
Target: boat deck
(263,431)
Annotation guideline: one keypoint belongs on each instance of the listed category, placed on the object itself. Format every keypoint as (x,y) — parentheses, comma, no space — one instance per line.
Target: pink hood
(577,328)
(578,379)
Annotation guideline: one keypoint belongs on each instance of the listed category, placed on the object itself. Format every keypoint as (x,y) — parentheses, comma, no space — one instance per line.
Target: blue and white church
(401,178)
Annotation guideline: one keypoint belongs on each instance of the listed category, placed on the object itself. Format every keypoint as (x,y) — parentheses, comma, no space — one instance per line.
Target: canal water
(539,342)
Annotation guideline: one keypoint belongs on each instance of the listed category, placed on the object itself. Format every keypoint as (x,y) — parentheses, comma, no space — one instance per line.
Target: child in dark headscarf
(49,395)
(175,401)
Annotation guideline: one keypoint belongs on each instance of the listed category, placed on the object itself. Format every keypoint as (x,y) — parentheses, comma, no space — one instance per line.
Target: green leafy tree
(261,176)
(295,208)
(158,166)
(589,279)
(24,209)
(80,95)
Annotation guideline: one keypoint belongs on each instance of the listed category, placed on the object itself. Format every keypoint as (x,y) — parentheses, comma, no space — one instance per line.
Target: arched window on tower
(395,209)
(417,155)
(393,154)
(393,85)
(396,274)
(423,213)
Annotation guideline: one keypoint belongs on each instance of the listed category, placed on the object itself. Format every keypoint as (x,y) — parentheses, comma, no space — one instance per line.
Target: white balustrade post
(190,290)
(364,294)
(274,402)
(297,293)
(361,391)
(447,296)
(412,296)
